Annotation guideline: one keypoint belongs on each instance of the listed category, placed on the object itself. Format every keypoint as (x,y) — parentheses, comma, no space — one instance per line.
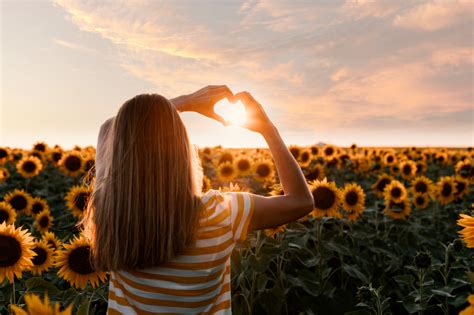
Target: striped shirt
(197,281)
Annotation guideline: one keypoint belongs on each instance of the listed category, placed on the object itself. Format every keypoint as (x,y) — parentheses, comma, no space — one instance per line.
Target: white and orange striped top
(198,281)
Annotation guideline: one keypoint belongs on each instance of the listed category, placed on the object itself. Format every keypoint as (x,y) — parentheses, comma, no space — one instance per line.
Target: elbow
(305,203)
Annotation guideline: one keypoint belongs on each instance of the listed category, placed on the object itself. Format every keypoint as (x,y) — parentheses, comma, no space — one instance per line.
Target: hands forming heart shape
(237,109)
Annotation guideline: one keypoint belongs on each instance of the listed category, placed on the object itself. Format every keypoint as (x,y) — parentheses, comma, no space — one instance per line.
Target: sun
(233,113)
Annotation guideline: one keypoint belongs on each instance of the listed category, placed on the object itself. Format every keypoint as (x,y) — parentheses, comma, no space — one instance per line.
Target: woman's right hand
(257,119)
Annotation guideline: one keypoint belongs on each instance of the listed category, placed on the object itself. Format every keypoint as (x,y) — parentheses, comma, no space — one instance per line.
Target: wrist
(268,130)
(181,103)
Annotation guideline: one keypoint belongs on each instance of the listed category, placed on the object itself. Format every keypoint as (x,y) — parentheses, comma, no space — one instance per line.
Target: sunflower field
(392,232)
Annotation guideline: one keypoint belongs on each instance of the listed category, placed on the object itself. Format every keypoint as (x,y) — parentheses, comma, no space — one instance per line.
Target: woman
(166,244)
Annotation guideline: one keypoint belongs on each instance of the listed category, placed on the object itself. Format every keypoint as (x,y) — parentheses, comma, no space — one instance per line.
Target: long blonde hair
(145,210)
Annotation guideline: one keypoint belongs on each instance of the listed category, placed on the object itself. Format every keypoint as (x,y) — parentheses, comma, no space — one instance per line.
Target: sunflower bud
(422,260)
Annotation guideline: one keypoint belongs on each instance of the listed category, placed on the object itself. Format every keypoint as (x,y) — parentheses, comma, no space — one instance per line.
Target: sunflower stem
(13,292)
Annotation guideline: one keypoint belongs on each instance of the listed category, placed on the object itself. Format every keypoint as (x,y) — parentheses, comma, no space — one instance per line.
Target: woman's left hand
(203,101)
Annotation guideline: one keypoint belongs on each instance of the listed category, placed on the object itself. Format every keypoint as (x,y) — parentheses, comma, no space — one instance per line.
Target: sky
(385,73)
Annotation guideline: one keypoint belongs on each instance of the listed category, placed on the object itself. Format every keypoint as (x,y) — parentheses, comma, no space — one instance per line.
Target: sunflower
(421,201)
(43,221)
(74,264)
(272,232)
(226,156)
(316,172)
(4,174)
(295,151)
(314,150)
(305,158)
(467,233)
(445,189)
(89,162)
(55,155)
(329,151)
(465,169)
(263,170)
(38,204)
(20,200)
(243,165)
(40,146)
(15,251)
(51,240)
(353,200)
(408,169)
(398,210)
(389,158)
(469,310)
(462,187)
(421,185)
(395,191)
(226,172)
(71,163)
(44,257)
(7,213)
(382,182)
(206,183)
(421,167)
(4,155)
(77,198)
(34,306)
(395,169)
(327,198)
(29,166)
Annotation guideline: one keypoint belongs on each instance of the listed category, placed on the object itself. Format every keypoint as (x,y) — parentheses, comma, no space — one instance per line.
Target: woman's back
(199,279)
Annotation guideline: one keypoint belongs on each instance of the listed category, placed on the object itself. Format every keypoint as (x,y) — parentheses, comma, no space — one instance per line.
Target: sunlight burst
(233,113)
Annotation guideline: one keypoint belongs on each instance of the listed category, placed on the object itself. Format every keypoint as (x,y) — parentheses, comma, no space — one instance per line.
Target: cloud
(435,15)
(73,46)
(318,65)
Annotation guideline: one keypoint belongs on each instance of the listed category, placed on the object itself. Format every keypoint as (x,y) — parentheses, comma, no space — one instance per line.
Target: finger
(219,118)
(223,91)
(244,96)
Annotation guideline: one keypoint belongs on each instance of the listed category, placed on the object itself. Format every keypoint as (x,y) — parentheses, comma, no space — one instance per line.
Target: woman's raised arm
(297,200)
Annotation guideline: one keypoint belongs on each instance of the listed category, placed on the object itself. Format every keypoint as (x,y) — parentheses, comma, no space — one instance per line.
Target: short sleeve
(241,211)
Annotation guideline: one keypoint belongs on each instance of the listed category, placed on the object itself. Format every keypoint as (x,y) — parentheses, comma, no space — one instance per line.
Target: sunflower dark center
(382,183)
(10,251)
(390,159)
(29,166)
(243,165)
(419,200)
(227,171)
(18,202)
(37,207)
(81,200)
(314,150)
(73,163)
(396,192)
(406,169)
(41,256)
(57,156)
(3,153)
(263,170)
(460,186)
(78,260)
(295,152)
(4,215)
(44,221)
(324,198)
(421,187)
(351,198)
(40,147)
(305,156)
(447,189)
(329,151)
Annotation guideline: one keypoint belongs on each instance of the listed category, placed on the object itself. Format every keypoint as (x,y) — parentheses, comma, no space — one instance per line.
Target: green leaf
(355,273)
(83,308)
(41,285)
(441,293)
